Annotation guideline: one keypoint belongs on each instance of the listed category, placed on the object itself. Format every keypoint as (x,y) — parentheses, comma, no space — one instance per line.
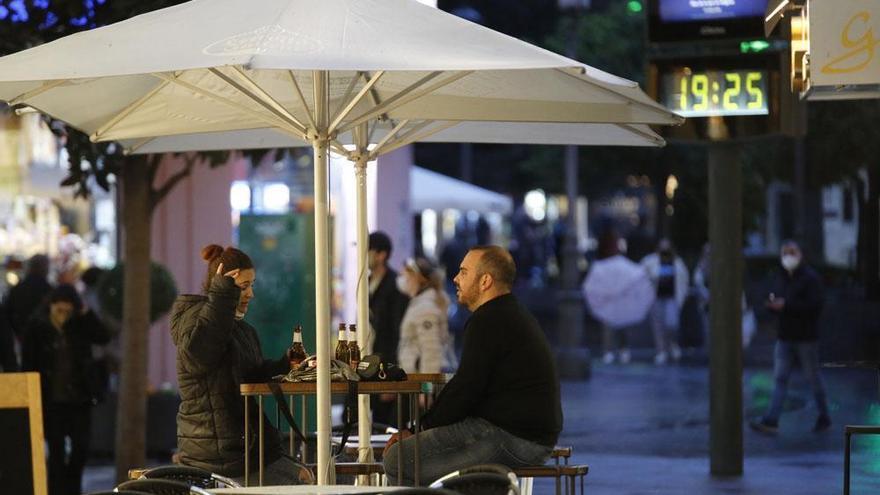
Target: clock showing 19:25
(715,92)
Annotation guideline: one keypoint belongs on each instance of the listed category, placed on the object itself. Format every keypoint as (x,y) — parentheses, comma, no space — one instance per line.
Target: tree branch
(157,195)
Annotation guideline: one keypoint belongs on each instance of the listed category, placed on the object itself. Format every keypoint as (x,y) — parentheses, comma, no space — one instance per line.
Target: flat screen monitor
(708,10)
(688,20)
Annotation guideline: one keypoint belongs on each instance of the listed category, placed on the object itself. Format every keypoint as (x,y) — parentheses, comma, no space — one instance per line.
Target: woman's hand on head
(233,274)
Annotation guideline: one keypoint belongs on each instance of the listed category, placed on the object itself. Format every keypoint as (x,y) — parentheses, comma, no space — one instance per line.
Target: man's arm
(471,380)
(809,300)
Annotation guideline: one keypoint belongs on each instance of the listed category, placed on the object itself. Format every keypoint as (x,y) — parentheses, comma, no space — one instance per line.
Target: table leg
(260,419)
(414,411)
(290,427)
(846,463)
(399,449)
(247,443)
(305,430)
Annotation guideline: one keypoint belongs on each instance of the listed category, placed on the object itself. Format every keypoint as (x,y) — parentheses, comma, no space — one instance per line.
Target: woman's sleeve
(206,341)
(430,342)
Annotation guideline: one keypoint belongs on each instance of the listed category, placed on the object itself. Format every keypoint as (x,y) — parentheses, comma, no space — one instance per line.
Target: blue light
(51,20)
(79,21)
(41,4)
(4,12)
(19,11)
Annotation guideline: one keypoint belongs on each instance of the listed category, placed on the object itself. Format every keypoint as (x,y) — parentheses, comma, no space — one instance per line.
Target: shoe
(608,358)
(661,358)
(764,427)
(675,352)
(823,422)
(625,356)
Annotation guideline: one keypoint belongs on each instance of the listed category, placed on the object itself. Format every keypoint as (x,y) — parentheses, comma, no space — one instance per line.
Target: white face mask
(401,284)
(790,261)
(239,315)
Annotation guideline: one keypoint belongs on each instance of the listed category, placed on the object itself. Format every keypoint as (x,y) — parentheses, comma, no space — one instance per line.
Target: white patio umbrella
(323,72)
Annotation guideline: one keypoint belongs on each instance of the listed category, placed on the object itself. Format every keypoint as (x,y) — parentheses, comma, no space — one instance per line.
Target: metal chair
(191,475)
(482,479)
(424,491)
(161,487)
(120,492)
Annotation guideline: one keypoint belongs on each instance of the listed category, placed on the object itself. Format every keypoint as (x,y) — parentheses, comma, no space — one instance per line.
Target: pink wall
(194,214)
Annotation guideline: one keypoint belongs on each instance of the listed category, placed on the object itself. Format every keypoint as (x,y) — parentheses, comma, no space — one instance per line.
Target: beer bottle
(342,345)
(297,352)
(354,352)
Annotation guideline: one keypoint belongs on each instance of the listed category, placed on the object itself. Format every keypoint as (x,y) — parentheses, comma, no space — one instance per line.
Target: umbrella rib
(347,93)
(412,137)
(354,101)
(261,97)
(391,134)
(302,98)
(138,145)
(226,101)
(641,134)
(407,95)
(119,117)
(630,100)
(36,92)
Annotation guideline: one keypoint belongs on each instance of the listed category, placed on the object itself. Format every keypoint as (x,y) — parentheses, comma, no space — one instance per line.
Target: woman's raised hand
(231,273)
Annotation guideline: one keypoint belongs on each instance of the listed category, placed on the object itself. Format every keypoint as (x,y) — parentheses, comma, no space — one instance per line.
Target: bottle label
(342,335)
(297,337)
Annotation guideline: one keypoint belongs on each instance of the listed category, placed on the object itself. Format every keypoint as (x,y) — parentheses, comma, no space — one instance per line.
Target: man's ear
(486,281)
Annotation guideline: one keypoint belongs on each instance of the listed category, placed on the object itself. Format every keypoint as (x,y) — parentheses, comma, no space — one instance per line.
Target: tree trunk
(131,408)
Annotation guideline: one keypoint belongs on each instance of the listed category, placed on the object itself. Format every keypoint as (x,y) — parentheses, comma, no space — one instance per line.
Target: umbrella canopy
(376,73)
(437,191)
(618,291)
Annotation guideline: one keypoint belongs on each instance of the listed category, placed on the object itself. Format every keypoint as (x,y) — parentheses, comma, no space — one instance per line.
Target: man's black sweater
(507,376)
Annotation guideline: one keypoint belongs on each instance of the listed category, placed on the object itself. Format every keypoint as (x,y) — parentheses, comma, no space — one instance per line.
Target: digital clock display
(715,92)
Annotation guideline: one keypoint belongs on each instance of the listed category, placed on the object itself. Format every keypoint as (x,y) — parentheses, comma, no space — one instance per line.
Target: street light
(573,357)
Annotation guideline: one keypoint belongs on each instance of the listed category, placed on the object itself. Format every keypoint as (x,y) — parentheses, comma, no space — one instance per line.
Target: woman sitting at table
(425,343)
(216,352)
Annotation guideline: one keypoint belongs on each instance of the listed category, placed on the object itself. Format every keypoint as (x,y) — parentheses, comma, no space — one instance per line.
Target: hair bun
(211,252)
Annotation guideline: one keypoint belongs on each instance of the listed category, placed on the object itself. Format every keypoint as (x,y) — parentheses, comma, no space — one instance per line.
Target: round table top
(866,364)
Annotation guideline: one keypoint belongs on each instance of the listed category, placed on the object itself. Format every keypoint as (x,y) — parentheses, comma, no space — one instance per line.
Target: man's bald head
(497,262)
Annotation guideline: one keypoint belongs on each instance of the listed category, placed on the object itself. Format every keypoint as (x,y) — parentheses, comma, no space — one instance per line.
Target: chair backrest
(161,487)
(191,475)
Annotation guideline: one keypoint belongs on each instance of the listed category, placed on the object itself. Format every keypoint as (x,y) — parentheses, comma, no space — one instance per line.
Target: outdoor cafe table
(415,384)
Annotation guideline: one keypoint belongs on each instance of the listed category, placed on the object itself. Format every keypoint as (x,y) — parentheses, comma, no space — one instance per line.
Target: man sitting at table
(502,406)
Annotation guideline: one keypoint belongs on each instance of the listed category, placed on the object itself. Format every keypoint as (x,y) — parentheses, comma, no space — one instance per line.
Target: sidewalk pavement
(643,429)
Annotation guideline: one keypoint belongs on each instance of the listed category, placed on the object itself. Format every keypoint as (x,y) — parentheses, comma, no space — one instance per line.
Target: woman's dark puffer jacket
(215,354)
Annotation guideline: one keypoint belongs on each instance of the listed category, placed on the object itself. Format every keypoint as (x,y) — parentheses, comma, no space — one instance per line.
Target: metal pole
(725,352)
(365,448)
(320,144)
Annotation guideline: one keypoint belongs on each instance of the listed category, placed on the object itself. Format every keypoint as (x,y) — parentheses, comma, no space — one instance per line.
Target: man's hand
(396,437)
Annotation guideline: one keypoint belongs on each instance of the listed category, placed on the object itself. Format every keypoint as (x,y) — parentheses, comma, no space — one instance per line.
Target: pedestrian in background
(425,343)
(798,303)
(58,345)
(387,306)
(670,277)
(28,295)
(8,358)
(619,295)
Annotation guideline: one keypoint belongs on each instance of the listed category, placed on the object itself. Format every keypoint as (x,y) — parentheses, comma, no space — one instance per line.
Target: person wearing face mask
(216,352)
(58,345)
(798,303)
(425,342)
(670,277)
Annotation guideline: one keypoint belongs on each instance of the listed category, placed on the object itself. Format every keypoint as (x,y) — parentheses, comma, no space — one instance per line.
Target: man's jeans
(784,357)
(467,443)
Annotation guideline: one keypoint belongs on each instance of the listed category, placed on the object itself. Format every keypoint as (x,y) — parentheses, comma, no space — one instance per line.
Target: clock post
(714,67)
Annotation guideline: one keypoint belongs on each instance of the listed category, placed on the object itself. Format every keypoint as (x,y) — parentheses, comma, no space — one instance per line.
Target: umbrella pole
(365,449)
(320,144)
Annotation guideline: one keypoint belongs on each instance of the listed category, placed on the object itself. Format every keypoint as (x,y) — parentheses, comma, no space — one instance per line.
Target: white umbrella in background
(618,291)
(380,74)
